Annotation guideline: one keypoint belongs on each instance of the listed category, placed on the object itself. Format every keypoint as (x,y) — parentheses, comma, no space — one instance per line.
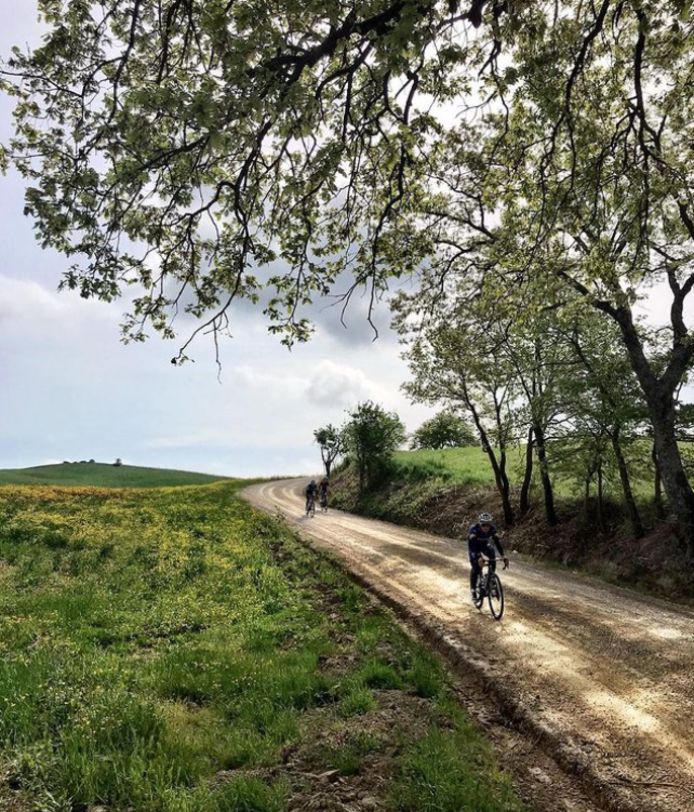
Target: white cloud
(29,303)
(334,384)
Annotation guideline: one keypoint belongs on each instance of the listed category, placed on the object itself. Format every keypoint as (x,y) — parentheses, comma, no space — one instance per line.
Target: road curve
(604,671)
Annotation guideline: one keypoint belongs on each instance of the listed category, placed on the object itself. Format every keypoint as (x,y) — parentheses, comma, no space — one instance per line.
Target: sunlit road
(606,672)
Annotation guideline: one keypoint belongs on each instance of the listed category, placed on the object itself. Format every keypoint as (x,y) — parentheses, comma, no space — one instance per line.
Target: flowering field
(172,649)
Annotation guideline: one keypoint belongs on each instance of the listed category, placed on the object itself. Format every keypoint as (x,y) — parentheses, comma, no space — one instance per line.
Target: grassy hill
(103,475)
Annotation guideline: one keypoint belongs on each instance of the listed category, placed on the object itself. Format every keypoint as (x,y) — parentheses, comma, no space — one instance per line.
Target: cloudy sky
(70,389)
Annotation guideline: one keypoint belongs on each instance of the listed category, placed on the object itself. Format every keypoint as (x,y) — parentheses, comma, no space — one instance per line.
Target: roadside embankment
(429,500)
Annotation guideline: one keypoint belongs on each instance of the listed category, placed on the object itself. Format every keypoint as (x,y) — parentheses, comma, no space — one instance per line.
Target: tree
(331,445)
(191,146)
(444,430)
(456,361)
(370,437)
(184,144)
(604,408)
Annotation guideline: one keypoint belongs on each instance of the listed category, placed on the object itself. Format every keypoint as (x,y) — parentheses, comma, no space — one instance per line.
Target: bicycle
(489,587)
(324,504)
(311,505)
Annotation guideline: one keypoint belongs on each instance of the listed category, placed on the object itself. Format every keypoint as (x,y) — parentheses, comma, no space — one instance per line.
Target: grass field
(470,466)
(103,475)
(173,650)
(462,466)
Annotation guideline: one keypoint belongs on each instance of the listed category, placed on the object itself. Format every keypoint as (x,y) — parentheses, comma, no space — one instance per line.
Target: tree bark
(500,476)
(632,509)
(679,491)
(659,395)
(657,486)
(601,500)
(547,489)
(527,477)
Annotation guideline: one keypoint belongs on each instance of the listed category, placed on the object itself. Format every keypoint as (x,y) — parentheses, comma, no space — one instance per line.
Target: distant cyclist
(323,493)
(311,491)
(482,539)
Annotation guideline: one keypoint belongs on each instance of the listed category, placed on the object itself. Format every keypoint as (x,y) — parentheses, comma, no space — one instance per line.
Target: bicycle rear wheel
(495,596)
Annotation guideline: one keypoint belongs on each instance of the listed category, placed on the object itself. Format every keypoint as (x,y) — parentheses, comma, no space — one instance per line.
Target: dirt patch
(348,764)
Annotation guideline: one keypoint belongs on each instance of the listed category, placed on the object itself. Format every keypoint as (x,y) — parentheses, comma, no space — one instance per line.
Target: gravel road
(603,675)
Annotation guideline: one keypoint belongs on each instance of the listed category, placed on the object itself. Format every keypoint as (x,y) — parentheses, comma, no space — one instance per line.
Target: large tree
(331,445)
(207,150)
(444,430)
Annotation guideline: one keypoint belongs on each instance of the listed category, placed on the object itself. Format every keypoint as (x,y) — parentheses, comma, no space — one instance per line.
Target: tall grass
(162,649)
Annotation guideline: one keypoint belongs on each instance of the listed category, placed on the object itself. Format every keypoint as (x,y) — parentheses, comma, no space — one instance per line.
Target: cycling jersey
(482,542)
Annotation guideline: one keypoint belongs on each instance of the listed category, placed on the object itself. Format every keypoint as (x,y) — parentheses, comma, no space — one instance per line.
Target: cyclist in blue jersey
(482,540)
(310,491)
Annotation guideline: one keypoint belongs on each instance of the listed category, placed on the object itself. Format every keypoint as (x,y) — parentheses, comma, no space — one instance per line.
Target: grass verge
(172,649)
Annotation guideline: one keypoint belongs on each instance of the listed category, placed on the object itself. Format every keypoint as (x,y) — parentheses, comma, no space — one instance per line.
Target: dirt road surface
(600,678)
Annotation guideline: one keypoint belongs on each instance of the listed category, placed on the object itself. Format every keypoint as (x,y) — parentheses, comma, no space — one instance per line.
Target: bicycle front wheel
(495,596)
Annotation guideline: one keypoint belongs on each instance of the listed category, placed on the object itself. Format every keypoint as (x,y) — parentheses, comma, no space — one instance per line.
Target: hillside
(103,475)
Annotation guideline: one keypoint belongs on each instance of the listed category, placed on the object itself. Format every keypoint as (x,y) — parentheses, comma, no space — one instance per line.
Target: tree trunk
(527,478)
(657,486)
(327,462)
(500,476)
(659,395)
(679,491)
(632,509)
(601,500)
(548,492)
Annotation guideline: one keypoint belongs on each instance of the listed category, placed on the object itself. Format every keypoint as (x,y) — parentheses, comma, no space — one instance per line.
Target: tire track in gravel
(605,677)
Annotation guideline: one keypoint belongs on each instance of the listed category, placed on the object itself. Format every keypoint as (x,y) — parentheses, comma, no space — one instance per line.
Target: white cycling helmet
(485,518)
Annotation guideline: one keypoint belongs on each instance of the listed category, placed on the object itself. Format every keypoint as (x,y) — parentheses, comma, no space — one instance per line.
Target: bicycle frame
(489,587)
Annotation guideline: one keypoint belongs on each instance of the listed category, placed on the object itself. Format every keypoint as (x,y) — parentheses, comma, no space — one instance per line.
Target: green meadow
(174,650)
(103,475)
(470,466)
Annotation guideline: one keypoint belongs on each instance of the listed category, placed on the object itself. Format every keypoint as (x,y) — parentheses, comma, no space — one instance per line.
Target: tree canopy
(443,430)
(206,150)
(370,437)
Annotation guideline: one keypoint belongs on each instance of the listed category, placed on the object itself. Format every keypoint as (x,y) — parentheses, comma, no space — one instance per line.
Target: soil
(586,689)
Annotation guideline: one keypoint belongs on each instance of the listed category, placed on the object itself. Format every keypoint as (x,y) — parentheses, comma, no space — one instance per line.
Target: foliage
(201,145)
(370,436)
(444,430)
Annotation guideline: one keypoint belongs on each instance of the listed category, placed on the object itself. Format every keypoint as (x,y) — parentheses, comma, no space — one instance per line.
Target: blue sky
(70,389)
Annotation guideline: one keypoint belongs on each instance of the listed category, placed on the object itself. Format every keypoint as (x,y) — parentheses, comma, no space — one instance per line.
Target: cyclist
(482,538)
(311,490)
(323,492)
